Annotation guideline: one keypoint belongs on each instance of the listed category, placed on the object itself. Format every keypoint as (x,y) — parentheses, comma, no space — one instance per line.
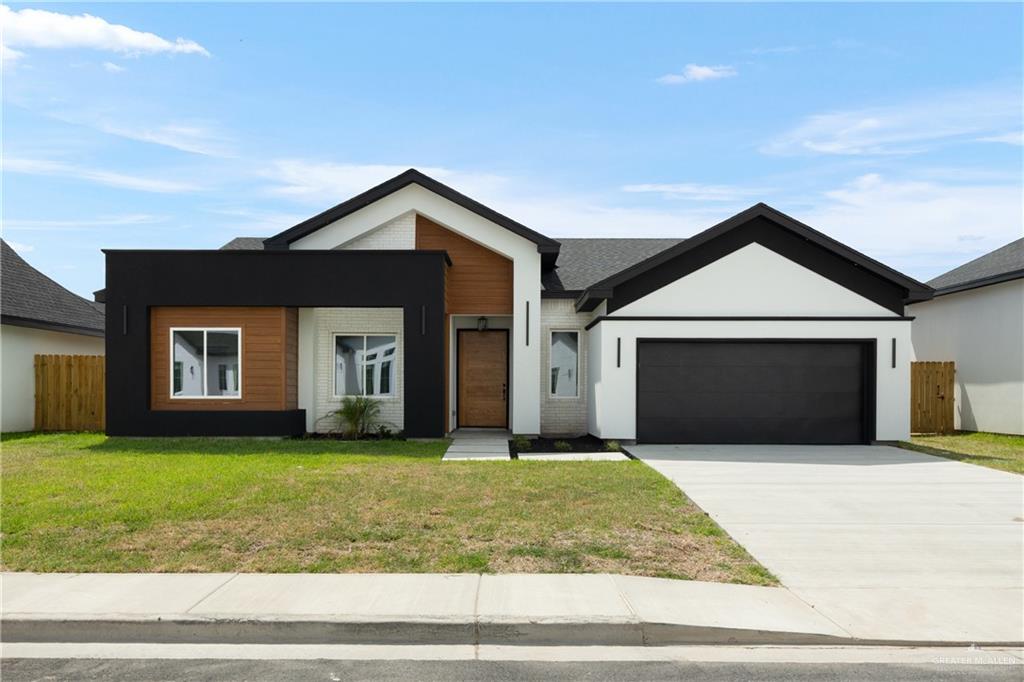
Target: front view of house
(757,330)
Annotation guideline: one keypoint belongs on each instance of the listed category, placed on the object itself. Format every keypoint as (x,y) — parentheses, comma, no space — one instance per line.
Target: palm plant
(358,415)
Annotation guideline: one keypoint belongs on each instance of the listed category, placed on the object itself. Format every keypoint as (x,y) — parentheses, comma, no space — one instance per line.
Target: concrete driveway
(887,543)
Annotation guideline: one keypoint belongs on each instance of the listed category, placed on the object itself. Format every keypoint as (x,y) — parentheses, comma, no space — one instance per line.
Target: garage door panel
(751,392)
(751,405)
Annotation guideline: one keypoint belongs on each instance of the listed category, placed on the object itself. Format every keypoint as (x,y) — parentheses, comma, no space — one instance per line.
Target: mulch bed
(582,444)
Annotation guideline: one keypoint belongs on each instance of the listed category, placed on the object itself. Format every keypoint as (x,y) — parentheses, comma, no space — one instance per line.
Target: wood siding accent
(269,356)
(483,378)
(479,280)
(291,358)
(931,397)
(69,393)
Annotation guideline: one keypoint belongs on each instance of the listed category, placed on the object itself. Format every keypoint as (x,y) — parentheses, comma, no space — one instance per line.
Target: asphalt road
(141,670)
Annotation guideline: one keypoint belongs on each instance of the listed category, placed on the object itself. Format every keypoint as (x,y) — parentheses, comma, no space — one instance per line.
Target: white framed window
(206,362)
(564,362)
(365,365)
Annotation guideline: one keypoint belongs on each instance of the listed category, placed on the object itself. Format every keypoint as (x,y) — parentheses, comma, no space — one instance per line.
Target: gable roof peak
(547,247)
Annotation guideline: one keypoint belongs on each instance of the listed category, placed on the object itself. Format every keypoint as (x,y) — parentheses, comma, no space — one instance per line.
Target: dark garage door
(753,392)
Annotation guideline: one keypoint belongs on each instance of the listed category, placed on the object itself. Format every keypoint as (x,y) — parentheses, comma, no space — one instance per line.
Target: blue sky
(893,128)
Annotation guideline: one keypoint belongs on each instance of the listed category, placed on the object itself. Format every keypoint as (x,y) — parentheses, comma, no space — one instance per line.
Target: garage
(755,391)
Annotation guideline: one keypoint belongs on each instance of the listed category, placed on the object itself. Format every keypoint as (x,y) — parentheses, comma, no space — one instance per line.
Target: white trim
(205,330)
(579,339)
(390,395)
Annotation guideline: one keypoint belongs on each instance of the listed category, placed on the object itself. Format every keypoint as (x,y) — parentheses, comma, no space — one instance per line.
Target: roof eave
(979,283)
(547,247)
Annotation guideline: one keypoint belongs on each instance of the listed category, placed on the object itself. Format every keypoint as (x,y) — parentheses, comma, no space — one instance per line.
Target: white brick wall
(369,321)
(562,416)
(398,234)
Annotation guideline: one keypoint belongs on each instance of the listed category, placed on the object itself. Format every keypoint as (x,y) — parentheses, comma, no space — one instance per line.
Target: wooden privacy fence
(70,393)
(931,397)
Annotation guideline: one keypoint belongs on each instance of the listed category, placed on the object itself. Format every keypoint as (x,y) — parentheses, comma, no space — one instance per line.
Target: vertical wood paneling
(931,397)
(267,341)
(479,280)
(69,393)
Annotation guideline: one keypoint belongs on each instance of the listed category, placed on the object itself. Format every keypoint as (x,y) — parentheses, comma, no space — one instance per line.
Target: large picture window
(205,363)
(565,361)
(364,365)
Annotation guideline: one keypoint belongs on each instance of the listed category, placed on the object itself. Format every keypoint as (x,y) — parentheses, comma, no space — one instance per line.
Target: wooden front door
(483,378)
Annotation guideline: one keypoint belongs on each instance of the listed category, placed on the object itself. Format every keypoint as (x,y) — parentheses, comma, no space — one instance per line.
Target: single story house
(976,319)
(759,329)
(38,316)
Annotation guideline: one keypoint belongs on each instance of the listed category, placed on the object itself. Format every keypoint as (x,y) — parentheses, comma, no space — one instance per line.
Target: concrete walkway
(885,542)
(402,608)
(471,444)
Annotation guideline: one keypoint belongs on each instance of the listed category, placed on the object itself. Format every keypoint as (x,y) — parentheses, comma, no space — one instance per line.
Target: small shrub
(358,415)
(612,446)
(521,443)
(384,433)
(563,446)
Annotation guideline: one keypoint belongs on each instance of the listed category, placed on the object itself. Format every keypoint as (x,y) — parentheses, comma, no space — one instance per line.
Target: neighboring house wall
(327,323)
(982,331)
(266,356)
(562,415)
(754,281)
(18,348)
(399,233)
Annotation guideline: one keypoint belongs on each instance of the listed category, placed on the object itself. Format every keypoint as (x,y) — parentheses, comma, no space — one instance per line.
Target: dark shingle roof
(582,262)
(1001,265)
(32,299)
(244,244)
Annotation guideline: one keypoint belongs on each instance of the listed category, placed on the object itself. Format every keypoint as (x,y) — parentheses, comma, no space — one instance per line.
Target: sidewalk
(407,609)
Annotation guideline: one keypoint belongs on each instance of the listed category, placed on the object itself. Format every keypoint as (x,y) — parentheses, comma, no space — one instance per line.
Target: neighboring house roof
(244,244)
(547,247)
(605,288)
(31,299)
(1002,265)
(583,262)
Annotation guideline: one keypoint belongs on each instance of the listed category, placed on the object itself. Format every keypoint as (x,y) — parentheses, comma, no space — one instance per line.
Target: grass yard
(85,502)
(991,450)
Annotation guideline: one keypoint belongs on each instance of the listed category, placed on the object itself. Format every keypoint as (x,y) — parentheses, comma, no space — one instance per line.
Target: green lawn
(84,502)
(992,450)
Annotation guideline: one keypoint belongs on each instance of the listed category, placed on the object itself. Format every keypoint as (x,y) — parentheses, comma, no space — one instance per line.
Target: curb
(413,632)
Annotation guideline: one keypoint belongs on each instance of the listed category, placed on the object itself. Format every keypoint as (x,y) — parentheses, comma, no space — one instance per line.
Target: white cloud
(923,228)
(19,247)
(907,128)
(195,139)
(695,191)
(130,219)
(36,28)
(9,56)
(694,73)
(111,67)
(1006,138)
(98,176)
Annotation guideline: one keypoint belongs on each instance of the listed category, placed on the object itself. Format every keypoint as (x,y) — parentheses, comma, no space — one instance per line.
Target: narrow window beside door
(565,364)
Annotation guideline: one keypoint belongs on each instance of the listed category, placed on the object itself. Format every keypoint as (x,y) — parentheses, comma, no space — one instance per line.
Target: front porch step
(473,444)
